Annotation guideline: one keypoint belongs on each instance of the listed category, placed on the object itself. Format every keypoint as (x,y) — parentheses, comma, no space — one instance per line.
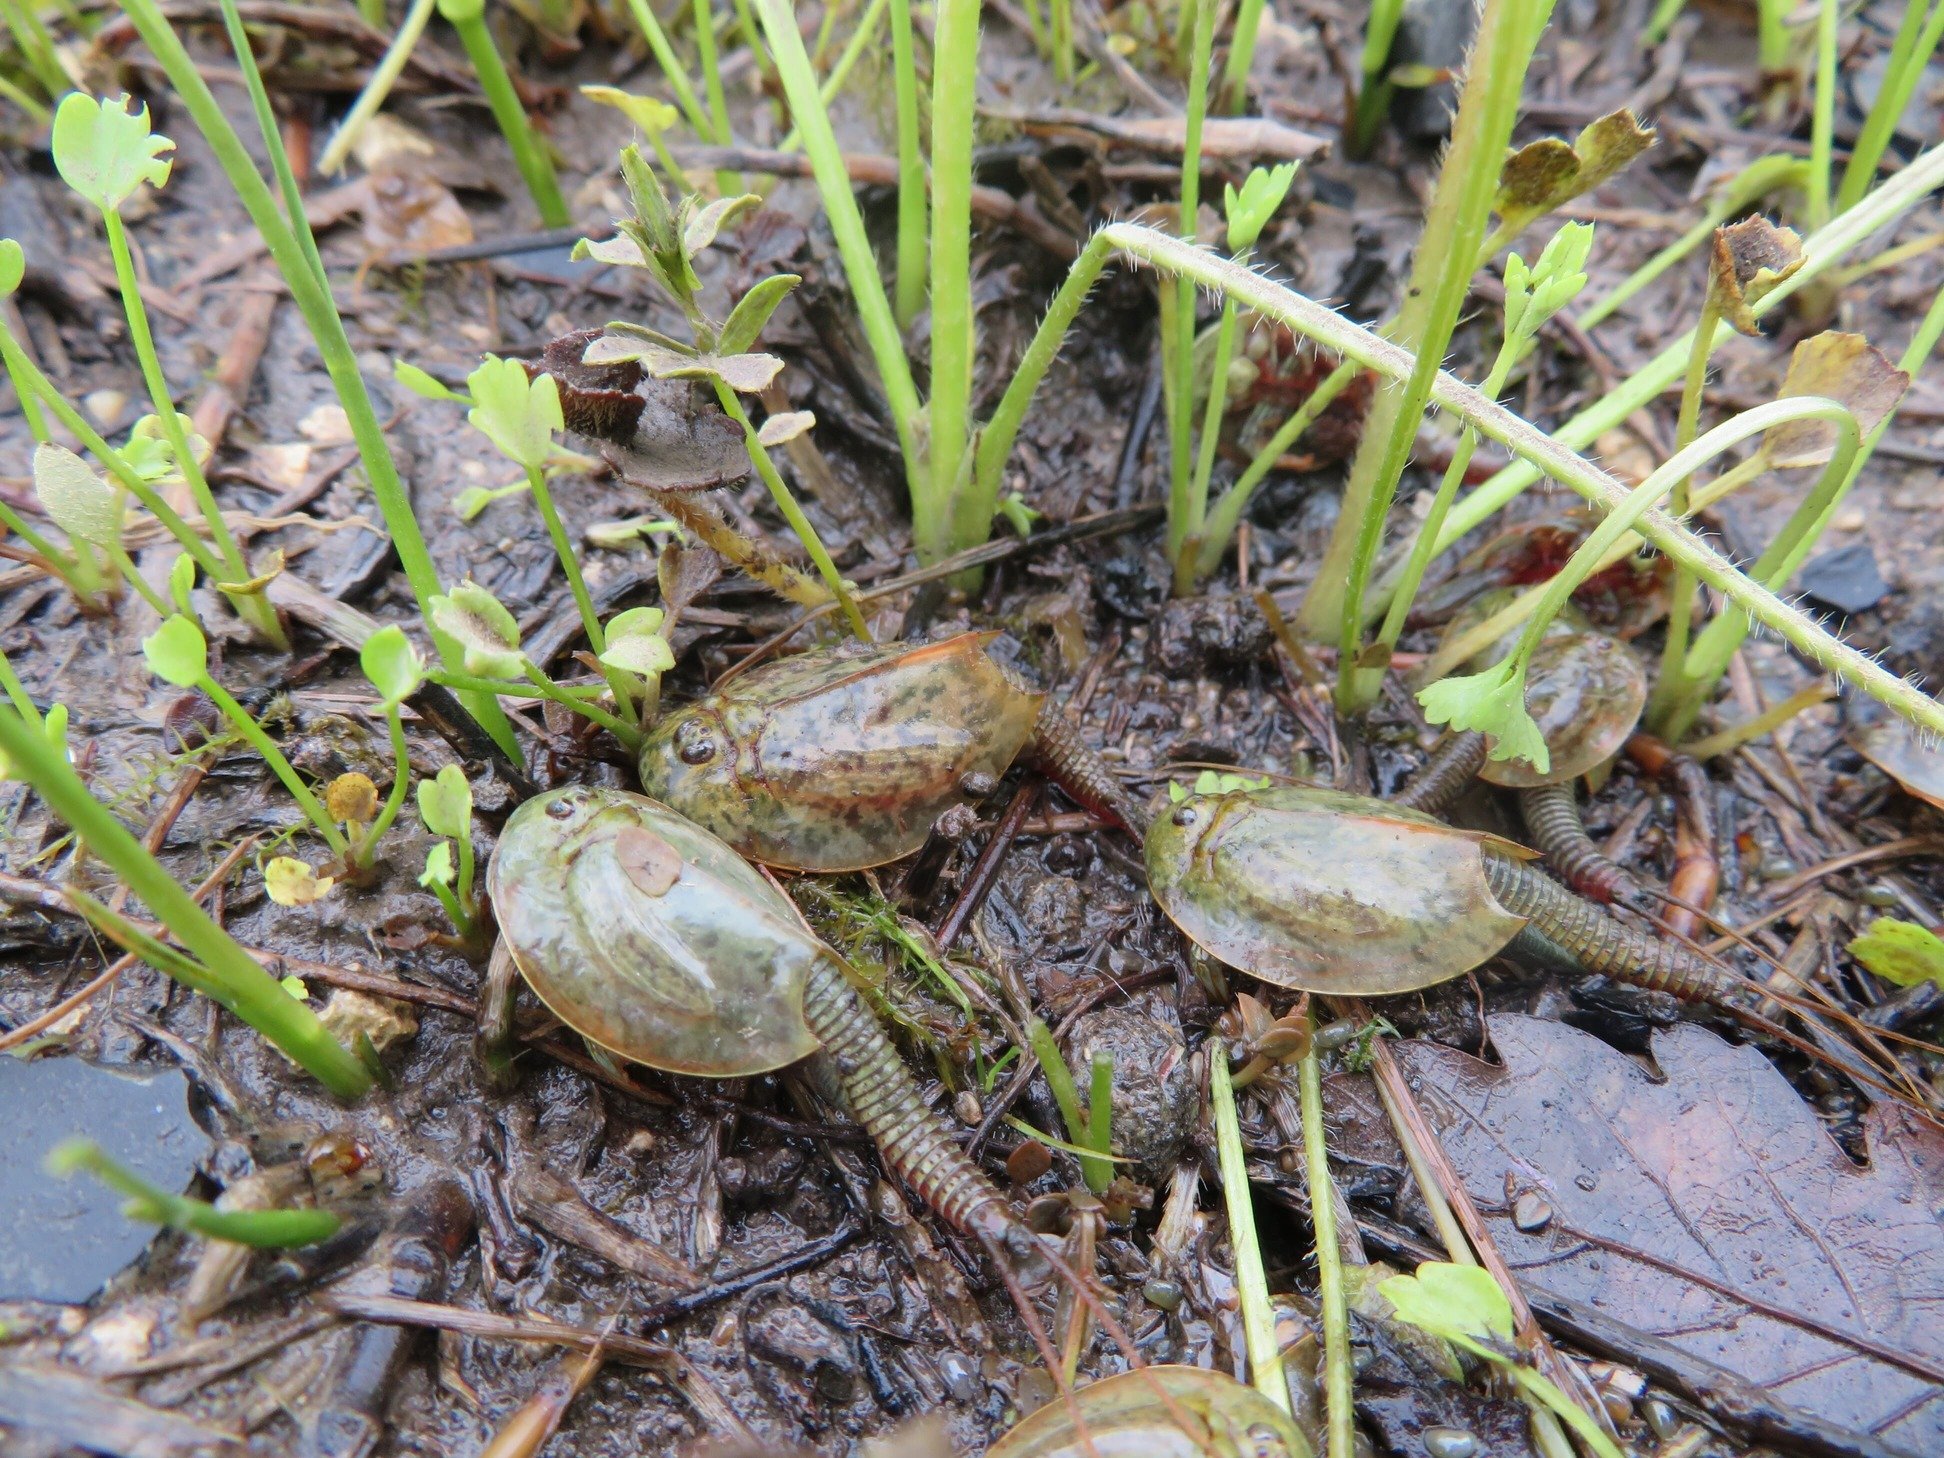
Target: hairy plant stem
(1709,657)
(1543,454)
(294,249)
(786,503)
(1441,273)
(223,971)
(913,245)
(1821,251)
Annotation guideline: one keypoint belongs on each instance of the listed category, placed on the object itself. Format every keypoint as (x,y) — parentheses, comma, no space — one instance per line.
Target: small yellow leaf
(290,882)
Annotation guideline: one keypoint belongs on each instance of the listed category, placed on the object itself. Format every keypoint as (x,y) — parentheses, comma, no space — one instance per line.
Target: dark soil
(902,1320)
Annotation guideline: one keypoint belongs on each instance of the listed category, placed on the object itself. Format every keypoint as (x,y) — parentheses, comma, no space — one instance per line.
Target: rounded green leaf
(484,630)
(177,653)
(445,803)
(438,865)
(392,664)
(644,653)
(634,622)
(517,413)
(13,266)
(1462,1304)
(84,506)
(104,151)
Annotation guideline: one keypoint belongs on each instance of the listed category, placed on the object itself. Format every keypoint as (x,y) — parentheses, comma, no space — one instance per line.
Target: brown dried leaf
(1845,368)
(684,574)
(1712,1210)
(680,442)
(1750,258)
(1542,175)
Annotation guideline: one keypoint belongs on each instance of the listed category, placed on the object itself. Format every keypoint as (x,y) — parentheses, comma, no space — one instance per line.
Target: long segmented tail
(885,1100)
(1602,944)
(1450,768)
(1552,817)
(1081,772)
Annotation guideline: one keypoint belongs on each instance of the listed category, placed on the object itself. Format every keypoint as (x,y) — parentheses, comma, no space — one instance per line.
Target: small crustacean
(844,758)
(652,939)
(1328,892)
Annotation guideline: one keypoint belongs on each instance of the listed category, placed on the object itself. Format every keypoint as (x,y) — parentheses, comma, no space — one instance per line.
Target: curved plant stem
(222,971)
(384,76)
(1540,453)
(948,405)
(1252,1283)
(912,243)
(1339,1416)
(1822,250)
(294,248)
(786,503)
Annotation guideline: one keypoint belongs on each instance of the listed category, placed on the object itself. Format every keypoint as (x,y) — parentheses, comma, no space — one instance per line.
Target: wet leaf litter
(682,1264)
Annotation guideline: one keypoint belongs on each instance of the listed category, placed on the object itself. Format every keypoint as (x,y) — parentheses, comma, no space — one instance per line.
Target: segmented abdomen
(1602,944)
(1444,776)
(884,1099)
(1552,817)
(1080,771)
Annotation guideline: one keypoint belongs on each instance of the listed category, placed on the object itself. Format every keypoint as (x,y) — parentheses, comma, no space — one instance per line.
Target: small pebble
(1450,1442)
(1332,1036)
(106,406)
(1880,896)
(1661,1417)
(1164,1294)
(1850,520)
(1530,1212)
(1028,1162)
(968,1108)
(961,1380)
(1618,1406)
(1776,868)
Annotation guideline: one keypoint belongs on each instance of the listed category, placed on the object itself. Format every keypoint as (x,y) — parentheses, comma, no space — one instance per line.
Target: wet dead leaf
(684,574)
(680,442)
(1542,175)
(1909,757)
(1750,258)
(1842,367)
(1712,1210)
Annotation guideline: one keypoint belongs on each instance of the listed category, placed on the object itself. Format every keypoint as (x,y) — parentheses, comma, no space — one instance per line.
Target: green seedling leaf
(13,267)
(392,664)
(1492,702)
(646,654)
(1534,294)
(104,151)
(485,631)
(1016,513)
(1462,1304)
(182,582)
(1542,175)
(438,866)
(149,454)
(635,622)
(296,988)
(1750,258)
(518,413)
(55,725)
(1840,367)
(1901,952)
(423,385)
(475,499)
(1250,210)
(177,653)
(747,374)
(445,803)
(652,116)
(84,506)
(620,250)
(291,882)
(745,323)
(785,426)
(1214,782)
(700,228)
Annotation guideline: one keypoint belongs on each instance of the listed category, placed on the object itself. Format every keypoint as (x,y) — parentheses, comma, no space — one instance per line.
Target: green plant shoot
(445,805)
(148,1202)
(1900,952)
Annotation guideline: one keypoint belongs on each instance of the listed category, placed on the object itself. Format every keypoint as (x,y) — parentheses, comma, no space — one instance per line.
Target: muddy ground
(900,1320)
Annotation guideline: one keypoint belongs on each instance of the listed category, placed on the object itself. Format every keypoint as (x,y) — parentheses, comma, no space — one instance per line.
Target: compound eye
(1186,815)
(695,744)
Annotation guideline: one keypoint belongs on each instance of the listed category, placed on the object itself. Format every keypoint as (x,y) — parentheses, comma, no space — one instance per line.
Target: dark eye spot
(560,808)
(695,744)
(1186,815)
